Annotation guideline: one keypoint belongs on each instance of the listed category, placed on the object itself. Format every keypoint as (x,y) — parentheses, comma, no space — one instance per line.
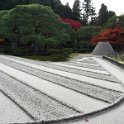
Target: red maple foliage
(113,35)
(73,23)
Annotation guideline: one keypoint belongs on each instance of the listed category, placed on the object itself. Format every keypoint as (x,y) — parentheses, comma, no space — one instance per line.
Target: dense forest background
(49,28)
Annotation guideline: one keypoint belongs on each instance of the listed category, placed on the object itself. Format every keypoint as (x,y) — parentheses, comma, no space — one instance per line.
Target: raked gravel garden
(56,92)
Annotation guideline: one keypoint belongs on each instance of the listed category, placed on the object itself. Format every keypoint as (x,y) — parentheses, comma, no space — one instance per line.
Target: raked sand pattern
(47,91)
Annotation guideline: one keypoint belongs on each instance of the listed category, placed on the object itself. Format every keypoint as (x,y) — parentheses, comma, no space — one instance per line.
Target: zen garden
(61,64)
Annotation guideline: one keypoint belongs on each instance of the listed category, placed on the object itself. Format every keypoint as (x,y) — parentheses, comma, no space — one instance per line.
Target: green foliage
(84,36)
(84,47)
(69,36)
(121,20)
(87,32)
(112,22)
(56,5)
(53,55)
(63,11)
(35,26)
(58,57)
(2,13)
(6,4)
(89,11)
(67,12)
(60,9)
(111,14)
(76,10)
(64,51)
(9,4)
(103,14)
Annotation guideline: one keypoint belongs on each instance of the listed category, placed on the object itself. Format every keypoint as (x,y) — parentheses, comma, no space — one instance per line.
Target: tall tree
(115,21)
(88,10)
(2,13)
(63,10)
(9,4)
(43,2)
(56,5)
(76,10)
(111,14)
(68,11)
(103,14)
(6,4)
(55,2)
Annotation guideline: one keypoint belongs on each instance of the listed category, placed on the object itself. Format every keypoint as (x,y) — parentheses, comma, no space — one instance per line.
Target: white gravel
(10,112)
(37,105)
(75,71)
(113,69)
(114,116)
(98,82)
(86,69)
(86,88)
(69,97)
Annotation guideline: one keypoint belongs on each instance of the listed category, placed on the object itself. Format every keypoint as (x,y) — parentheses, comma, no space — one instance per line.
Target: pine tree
(89,10)
(44,31)
(76,10)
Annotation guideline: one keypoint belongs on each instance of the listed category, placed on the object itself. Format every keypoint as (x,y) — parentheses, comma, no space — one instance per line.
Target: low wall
(114,62)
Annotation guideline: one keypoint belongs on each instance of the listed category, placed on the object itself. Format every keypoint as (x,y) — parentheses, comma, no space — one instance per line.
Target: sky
(114,5)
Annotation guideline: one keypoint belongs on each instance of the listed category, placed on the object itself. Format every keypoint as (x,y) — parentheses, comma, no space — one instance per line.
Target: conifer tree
(103,14)
(76,10)
(88,10)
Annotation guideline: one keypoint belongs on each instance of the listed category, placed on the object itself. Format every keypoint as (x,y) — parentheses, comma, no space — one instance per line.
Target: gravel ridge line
(97,92)
(86,66)
(81,116)
(90,60)
(80,72)
(32,100)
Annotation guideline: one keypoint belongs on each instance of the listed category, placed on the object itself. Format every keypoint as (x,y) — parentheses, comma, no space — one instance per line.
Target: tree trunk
(36,48)
(14,47)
